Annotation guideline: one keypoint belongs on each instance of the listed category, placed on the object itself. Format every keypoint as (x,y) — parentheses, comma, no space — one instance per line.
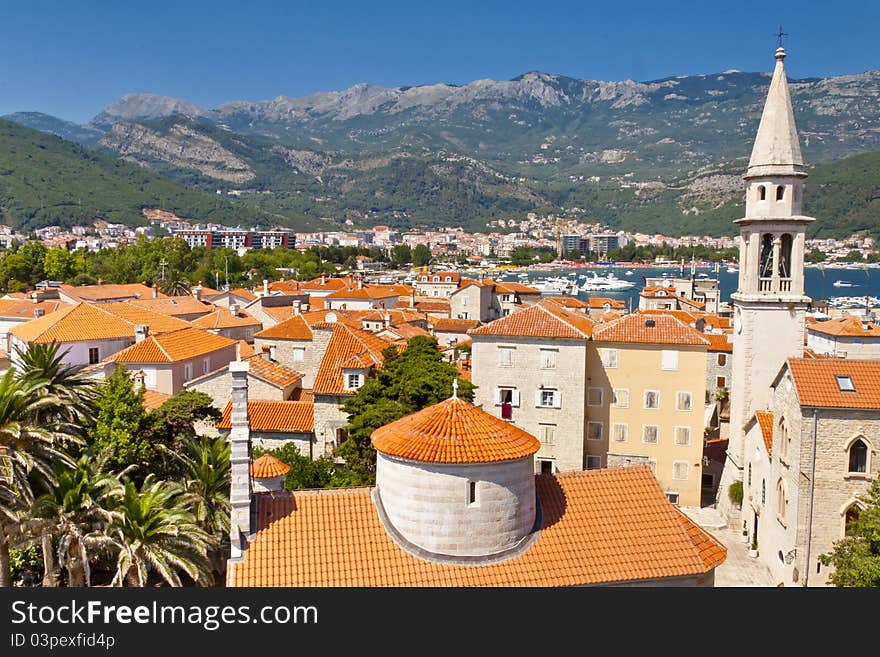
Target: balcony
(774,284)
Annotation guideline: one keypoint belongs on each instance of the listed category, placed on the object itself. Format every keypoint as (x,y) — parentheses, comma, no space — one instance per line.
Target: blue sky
(71,58)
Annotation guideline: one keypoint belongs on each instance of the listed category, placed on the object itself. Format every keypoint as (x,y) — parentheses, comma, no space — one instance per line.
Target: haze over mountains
(665,155)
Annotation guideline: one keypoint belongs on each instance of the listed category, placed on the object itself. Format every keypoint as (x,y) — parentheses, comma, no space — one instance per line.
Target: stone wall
(314,352)
(328,418)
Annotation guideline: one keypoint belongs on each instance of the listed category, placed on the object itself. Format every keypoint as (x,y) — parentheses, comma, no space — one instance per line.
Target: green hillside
(45,180)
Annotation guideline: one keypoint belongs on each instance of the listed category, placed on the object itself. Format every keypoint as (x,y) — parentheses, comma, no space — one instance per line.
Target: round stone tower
(268,474)
(454,483)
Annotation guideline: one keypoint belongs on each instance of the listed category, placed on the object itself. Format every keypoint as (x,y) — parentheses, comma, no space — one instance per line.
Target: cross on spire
(780,34)
(455,388)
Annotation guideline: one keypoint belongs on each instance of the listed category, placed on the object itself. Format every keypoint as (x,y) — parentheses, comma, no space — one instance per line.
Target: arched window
(762,193)
(785,256)
(780,192)
(849,518)
(781,501)
(750,475)
(763,491)
(783,438)
(766,266)
(858,456)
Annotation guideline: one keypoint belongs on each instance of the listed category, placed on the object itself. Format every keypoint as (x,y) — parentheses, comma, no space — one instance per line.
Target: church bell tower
(769,303)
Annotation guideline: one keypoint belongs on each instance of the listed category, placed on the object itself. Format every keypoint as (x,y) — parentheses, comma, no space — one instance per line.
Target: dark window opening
(766,263)
(852,514)
(93,355)
(858,457)
(780,192)
(785,256)
(472,492)
(546,467)
(762,193)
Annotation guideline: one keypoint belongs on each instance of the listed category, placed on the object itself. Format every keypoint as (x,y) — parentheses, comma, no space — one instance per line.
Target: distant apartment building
(437,284)
(845,337)
(602,243)
(694,293)
(216,237)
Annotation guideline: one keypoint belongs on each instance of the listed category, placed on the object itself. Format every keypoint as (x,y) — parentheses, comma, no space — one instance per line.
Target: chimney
(197,292)
(296,307)
(155,292)
(360,282)
(412,297)
(265,287)
(233,308)
(35,297)
(39,312)
(387,319)
(240,460)
(141,331)
(323,278)
(272,352)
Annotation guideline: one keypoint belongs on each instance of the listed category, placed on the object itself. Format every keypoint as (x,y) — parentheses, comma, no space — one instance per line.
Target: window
(653,465)
(680,470)
(669,359)
(683,401)
(548,399)
(844,383)
(620,432)
(750,475)
(548,359)
(472,492)
(850,517)
(858,456)
(507,396)
(447,279)
(783,438)
(682,435)
(206,365)
(299,354)
(505,356)
(762,193)
(620,398)
(721,382)
(780,192)
(652,399)
(436,279)
(594,431)
(547,433)
(781,501)
(649,433)
(707,481)
(464,301)
(673,498)
(507,297)
(609,358)
(722,360)
(353,381)
(763,491)
(94,356)
(594,397)
(546,467)
(594,462)
(187,372)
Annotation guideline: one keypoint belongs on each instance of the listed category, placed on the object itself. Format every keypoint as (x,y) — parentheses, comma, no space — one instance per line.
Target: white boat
(732,270)
(842,283)
(556,285)
(609,282)
(628,272)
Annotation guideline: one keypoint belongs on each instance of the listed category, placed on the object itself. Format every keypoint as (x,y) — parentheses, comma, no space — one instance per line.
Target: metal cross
(780,34)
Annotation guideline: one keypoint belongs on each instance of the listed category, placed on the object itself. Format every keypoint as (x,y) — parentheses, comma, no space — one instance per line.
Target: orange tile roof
(406,331)
(221,318)
(302,394)
(448,325)
(275,416)
(285,286)
(632,328)
(24,308)
(515,288)
(267,467)
(847,326)
(245,350)
(274,373)
(172,347)
(599,302)
(567,302)
(652,290)
(816,382)
(397,315)
(345,342)
(600,527)
(316,284)
(433,306)
(365,292)
(429,278)
(545,320)
(765,422)
(241,293)
(295,328)
(153,399)
(174,306)
(92,321)
(205,291)
(686,316)
(719,342)
(107,292)
(454,431)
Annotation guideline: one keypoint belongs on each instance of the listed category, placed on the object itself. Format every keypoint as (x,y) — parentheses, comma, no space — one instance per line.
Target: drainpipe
(812,488)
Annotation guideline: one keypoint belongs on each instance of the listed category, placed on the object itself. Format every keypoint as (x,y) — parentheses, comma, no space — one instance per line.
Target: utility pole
(226,262)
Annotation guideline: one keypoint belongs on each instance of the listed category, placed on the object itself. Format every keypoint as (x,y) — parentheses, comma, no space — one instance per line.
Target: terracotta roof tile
(275,416)
(600,527)
(599,302)
(172,347)
(319,285)
(221,318)
(345,342)
(153,399)
(295,328)
(174,306)
(268,466)
(273,373)
(454,431)
(446,325)
(547,320)
(302,394)
(848,326)
(765,422)
(109,292)
(288,286)
(91,321)
(816,382)
(241,293)
(405,331)
(245,350)
(365,292)
(433,306)
(567,302)
(719,342)
(633,328)
(514,287)
(24,308)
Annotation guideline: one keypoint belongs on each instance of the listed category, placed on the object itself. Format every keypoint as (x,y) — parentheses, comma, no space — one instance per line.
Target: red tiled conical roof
(454,431)
(267,466)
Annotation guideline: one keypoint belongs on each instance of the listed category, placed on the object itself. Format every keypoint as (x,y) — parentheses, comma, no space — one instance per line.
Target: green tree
(401,255)
(16,273)
(119,422)
(43,366)
(856,557)
(155,527)
(407,382)
(815,255)
(421,256)
(172,426)
(60,265)
(305,472)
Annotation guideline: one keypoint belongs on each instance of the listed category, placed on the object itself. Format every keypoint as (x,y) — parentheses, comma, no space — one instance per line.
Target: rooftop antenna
(780,34)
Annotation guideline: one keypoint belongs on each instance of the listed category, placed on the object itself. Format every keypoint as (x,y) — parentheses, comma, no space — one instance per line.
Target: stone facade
(430,504)
(560,428)
(330,422)
(301,355)
(474,302)
(240,461)
(719,371)
(843,346)
(218,386)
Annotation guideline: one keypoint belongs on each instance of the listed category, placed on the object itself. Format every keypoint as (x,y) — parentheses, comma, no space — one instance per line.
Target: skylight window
(845,383)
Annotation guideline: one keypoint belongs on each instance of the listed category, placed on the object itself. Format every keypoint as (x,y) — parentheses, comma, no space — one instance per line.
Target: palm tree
(70,512)
(206,476)
(153,528)
(43,364)
(27,448)
(175,285)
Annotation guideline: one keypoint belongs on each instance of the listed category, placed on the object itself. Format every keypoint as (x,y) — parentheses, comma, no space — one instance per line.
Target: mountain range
(664,155)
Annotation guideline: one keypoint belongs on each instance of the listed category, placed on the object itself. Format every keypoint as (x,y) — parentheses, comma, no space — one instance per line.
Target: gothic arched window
(781,501)
(762,192)
(766,265)
(851,515)
(780,193)
(858,456)
(785,256)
